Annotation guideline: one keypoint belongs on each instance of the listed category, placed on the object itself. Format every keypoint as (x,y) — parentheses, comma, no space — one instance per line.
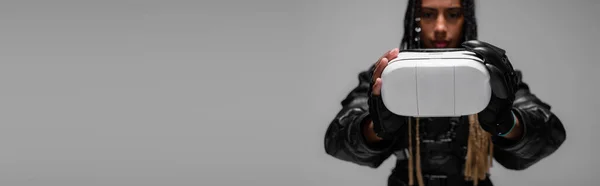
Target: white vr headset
(436,83)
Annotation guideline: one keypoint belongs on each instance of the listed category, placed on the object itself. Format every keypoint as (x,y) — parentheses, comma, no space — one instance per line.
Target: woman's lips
(440,44)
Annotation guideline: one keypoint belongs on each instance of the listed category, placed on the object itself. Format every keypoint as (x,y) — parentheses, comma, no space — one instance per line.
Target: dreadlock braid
(410,157)
(411,37)
(470,24)
(419,175)
(479,152)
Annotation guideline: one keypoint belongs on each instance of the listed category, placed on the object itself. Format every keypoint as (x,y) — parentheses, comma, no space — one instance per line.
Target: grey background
(241,92)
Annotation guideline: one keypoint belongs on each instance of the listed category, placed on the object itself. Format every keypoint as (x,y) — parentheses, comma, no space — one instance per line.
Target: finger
(499,86)
(379,69)
(473,44)
(491,57)
(377,87)
(384,55)
(476,43)
(392,54)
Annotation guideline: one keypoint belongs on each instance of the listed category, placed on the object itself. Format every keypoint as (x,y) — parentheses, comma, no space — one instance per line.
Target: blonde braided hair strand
(479,153)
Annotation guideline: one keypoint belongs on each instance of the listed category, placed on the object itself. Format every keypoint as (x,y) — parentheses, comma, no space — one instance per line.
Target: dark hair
(410,24)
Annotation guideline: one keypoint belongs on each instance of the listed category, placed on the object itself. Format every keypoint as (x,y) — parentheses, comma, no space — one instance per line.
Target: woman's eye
(454,15)
(427,15)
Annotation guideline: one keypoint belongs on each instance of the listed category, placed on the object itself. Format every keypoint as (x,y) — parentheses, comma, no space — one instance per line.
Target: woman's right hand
(379,66)
(384,124)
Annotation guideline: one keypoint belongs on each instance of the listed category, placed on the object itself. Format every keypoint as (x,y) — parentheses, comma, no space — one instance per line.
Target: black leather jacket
(442,160)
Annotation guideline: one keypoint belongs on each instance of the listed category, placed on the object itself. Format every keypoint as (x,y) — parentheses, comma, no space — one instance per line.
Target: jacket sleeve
(344,137)
(543,132)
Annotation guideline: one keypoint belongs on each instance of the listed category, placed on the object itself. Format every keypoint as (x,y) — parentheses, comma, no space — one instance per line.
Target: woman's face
(441,23)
